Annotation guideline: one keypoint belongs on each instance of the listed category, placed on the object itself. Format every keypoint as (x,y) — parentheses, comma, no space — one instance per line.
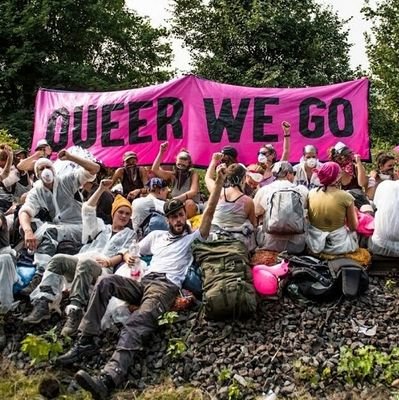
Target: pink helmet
(265,282)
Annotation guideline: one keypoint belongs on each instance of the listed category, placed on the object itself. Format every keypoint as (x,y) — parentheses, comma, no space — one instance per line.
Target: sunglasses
(264,153)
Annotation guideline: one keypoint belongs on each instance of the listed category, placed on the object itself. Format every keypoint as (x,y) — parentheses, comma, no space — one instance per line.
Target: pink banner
(203,116)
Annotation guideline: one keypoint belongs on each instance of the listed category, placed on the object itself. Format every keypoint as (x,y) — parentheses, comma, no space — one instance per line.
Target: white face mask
(262,159)
(47,176)
(311,162)
(385,177)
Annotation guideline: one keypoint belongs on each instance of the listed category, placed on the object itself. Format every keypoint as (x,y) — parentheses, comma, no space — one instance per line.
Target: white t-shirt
(171,255)
(142,208)
(263,194)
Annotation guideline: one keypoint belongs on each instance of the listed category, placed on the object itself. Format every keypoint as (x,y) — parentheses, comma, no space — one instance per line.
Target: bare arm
(207,217)
(250,210)
(286,141)
(372,180)
(28,163)
(118,175)
(105,185)
(88,165)
(362,178)
(7,166)
(30,238)
(143,175)
(210,172)
(351,217)
(156,166)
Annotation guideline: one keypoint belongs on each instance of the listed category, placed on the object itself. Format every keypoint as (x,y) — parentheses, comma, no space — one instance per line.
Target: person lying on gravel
(154,295)
(55,196)
(98,257)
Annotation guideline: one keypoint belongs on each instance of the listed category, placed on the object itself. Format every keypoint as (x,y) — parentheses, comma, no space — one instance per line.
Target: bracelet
(287,135)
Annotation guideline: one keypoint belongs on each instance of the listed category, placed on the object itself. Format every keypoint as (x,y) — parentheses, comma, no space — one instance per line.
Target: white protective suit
(98,240)
(385,239)
(8,276)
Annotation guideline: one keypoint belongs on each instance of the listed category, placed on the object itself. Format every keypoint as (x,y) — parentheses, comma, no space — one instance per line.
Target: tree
(73,44)
(264,42)
(383,53)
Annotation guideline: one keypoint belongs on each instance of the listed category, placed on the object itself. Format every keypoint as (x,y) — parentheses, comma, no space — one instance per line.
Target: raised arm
(207,216)
(287,141)
(362,178)
(88,165)
(105,185)
(7,166)
(156,166)
(210,172)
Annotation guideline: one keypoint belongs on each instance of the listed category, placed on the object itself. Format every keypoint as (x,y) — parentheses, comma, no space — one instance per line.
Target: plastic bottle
(134,250)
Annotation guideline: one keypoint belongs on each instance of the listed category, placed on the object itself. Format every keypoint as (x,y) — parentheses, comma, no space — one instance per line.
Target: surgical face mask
(182,167)
(262,159)
(385,177)
(47,176)
(311,162)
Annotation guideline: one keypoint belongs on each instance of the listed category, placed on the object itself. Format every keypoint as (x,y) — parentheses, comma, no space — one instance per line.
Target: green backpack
(227,279)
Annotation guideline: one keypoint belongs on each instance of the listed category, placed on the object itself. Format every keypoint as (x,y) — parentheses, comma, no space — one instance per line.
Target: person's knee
(56,263)
(88,267)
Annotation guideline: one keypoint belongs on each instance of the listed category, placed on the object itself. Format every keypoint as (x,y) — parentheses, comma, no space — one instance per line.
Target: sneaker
(34,283)
(71,325)
(39,313)
(85,346)
(100,386)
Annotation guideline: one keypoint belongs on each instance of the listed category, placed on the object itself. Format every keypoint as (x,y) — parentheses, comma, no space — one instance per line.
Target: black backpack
(321,281)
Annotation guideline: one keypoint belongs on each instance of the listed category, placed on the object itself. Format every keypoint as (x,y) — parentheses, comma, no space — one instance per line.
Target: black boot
(100,386)
(85,346)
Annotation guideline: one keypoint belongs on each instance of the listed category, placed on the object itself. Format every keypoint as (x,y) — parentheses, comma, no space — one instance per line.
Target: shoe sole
(36,322)
(86,382)
(59,361)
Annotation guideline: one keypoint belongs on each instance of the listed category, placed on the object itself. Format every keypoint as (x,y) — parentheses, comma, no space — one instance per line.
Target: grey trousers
(82,274)
(154,295)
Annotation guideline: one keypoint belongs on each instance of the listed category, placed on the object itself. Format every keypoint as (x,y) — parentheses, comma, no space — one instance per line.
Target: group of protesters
(80,225)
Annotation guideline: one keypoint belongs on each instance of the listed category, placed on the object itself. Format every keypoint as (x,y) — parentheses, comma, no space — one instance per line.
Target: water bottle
(134,250)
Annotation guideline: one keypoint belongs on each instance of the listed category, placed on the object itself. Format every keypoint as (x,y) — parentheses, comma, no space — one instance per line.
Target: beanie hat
(119,202)
(40,163)
(328,173)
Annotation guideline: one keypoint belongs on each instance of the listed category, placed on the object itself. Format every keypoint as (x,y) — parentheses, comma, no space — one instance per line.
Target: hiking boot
(3,339)
(34,283)
(100,386)
(71,325)
(85,346)
(39,313)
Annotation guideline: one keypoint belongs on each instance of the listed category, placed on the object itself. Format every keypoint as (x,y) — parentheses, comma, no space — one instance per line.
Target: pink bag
(366,224)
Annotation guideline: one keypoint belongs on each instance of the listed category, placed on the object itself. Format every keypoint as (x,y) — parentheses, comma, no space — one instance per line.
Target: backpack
(284,214)
(227,280)
(155,221)
(324,281)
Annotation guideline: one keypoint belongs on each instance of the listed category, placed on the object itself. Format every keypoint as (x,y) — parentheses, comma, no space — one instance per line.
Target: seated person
(103,250)
(385,171)
(131,176)
(42,150)
(286,237)
(267,155)
(332,215)
(56,197)
(8,276)
(184,180)
(305,171)
(154,295)
(385,239)
(235,213)
(143,207)
(253,177)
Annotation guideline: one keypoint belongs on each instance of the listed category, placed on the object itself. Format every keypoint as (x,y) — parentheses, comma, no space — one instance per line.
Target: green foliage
(168,318)
(6,138)
(73,44)
(42,347)
(368,363)
(234,392)
(306,373)
(176,347)
(264,42)
(390,285)
(224,375)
